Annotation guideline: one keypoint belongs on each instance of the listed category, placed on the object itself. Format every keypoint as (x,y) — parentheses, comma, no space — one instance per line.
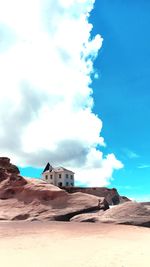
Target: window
(67,183)
(59,176)
(60,184)
(66,175)
(46,177)
(71,184)
(71,176)
(51,176)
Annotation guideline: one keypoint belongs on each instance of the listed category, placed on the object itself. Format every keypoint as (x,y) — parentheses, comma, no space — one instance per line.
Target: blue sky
(57,110)
(122,94)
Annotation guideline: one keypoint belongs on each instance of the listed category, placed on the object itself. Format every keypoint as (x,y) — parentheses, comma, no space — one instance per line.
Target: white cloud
(46,62)
(130,154)
(98,170)
(144,166)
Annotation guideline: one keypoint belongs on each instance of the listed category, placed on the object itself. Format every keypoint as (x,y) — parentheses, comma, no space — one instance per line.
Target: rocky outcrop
(33,199)
(6,166)
(111,195)
(123,199)
(131,213)
(93,217)
(47,204)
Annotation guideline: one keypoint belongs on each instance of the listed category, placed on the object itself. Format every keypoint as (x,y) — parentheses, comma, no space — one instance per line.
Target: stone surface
(33,199)
(80,203)
(123,199)
(87,217)
(111,195)
(131,213)
(35,202)
(7,166)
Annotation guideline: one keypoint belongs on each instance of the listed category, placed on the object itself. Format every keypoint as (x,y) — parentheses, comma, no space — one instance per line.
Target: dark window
(67,183)
(46,177)
(60,184)
(71,176)
(59,175)
(51,176)
(67,175)
(71,184)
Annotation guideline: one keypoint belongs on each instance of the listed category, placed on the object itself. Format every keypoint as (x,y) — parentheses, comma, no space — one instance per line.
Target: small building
(58,176)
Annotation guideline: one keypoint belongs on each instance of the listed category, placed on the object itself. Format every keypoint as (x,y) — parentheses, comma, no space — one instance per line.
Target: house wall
(56,180)
(47,177)
(60,180)
(68,180)
(64,180)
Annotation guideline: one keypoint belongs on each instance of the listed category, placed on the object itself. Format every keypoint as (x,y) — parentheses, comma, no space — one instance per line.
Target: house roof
(59,169)
(49,168)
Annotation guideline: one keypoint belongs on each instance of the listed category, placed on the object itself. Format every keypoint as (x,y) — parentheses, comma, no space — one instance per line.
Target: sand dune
(48,244)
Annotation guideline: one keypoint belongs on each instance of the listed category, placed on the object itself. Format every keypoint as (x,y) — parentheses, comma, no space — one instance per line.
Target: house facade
(58,176)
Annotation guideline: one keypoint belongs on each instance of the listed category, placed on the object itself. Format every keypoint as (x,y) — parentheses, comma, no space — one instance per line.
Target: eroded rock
(111,194)
(87,217)
(131,213)
(33,199)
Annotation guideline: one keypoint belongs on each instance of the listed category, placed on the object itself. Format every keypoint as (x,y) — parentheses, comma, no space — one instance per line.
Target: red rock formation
(7,166)
(111,195)
(131,213)
(32,199)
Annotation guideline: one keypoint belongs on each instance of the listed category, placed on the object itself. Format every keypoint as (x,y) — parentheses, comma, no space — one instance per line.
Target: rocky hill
(34,199)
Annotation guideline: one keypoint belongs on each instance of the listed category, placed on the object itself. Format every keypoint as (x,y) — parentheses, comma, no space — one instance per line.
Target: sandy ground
(25,244)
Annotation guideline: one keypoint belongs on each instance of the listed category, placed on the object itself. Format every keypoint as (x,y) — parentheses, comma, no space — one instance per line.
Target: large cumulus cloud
(46,62)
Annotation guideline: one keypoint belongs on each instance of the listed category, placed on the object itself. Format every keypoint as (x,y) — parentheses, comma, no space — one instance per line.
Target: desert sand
(63,244)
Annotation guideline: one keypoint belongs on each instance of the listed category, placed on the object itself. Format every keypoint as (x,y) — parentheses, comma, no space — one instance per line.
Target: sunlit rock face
(130,213)
(110,194)
(33,199)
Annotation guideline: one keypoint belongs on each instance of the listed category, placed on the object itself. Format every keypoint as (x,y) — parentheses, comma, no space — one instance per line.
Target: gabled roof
(49,168)
(59,169)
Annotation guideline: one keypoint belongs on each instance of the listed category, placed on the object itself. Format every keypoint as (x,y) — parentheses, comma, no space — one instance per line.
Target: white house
(58,176)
